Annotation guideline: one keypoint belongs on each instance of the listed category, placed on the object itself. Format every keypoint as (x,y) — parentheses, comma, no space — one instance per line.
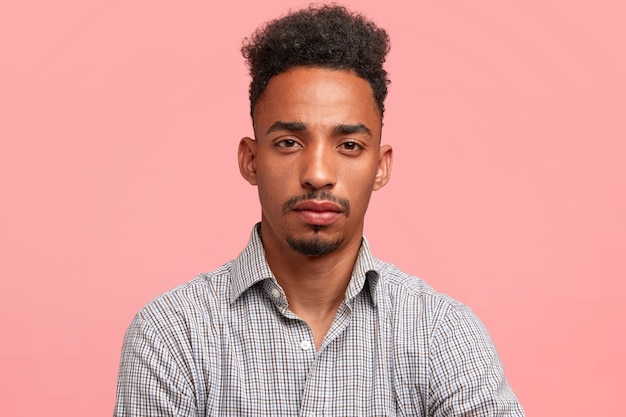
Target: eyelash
(286,143)
(348,145)
(353,146)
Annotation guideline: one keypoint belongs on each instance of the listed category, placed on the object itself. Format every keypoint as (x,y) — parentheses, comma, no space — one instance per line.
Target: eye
(351,146)
(286,143)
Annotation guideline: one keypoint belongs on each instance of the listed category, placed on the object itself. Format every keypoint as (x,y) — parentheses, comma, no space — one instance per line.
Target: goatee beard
(313,246)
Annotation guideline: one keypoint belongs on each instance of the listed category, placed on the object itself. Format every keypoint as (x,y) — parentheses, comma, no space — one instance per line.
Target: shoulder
(171,348)
(411,303)
(198,300)
(406,290)
(440,343)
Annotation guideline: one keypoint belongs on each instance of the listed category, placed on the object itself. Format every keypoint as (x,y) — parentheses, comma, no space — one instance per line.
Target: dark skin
(316,159)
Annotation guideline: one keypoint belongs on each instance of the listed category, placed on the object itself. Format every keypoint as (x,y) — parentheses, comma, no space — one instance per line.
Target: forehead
(317,96)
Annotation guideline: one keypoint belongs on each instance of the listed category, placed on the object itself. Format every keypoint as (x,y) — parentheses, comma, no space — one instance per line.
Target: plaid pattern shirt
(226,344)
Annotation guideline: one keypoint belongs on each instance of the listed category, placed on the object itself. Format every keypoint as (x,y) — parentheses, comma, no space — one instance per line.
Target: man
(305,321)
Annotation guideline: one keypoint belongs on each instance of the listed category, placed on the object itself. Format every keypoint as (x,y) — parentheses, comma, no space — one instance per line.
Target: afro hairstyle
(326,36)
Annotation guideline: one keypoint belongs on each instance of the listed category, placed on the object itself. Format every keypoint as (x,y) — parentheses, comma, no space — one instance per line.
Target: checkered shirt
(226,344)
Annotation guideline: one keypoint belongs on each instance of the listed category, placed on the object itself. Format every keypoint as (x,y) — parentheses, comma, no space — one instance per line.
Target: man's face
(316,159)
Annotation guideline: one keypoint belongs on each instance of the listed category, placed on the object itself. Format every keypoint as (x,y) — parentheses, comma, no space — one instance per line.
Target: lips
(321,213)
(318,206)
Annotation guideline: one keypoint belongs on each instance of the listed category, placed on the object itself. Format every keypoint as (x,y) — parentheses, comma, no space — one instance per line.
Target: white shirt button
(276,292)
(305,345)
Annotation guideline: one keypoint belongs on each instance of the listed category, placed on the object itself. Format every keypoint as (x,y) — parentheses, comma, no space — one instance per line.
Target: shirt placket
(316,392)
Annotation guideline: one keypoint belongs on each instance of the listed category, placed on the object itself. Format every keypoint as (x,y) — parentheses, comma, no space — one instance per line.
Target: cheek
(271,193)
(273,170)
(277,177)
(360,177)
(266,176)
(362,199)
(360,189)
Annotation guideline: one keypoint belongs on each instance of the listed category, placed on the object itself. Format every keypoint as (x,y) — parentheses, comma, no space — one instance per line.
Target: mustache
(319,195)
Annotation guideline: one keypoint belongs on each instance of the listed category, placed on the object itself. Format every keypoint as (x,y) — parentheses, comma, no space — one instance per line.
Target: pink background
(119,122)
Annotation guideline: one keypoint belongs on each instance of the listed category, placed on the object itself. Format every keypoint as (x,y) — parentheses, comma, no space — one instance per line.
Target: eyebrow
(286,126)
(343,129)
(349,129)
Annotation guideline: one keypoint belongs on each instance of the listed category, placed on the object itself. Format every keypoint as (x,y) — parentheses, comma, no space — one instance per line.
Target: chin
(314,246)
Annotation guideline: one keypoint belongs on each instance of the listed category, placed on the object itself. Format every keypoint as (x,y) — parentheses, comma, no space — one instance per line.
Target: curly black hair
(326,36)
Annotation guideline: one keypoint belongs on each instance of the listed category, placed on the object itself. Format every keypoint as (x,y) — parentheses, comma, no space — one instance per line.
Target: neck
(314,285)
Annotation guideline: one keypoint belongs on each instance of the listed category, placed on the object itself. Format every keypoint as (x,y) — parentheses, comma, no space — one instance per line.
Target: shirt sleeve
(466,374)
(151,382)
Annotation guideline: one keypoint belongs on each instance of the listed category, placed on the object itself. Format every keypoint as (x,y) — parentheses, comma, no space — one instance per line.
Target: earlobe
(246,155)
(383,173)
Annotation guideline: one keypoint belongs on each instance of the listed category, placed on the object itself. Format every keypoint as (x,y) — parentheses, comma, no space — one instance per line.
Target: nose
(318,168)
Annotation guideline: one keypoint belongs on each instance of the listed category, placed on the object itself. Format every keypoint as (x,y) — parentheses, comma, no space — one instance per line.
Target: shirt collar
(251,267)
(364,272)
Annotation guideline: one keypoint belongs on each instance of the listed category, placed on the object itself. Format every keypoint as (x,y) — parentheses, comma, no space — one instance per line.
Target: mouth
(319,213)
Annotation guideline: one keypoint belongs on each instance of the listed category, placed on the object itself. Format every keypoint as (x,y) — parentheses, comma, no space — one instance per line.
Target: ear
(383,172)
(246,155)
